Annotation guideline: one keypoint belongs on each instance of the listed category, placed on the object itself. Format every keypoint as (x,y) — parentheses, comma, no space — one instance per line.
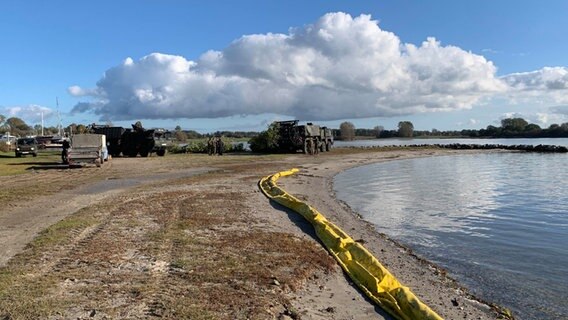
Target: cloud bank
(338,67)
(31,114)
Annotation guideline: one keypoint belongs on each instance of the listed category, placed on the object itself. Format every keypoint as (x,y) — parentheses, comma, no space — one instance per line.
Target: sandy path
(21,223)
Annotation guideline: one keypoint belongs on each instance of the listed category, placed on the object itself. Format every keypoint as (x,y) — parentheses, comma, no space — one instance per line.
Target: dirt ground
(192,237)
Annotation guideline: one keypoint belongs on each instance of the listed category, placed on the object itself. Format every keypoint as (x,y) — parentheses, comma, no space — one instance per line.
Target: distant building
(7,138)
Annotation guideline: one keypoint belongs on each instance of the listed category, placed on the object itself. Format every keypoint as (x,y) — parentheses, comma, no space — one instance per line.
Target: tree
(378,130)
(533,129)
(3,127)
(347,130)
(266,141)
(514,124)
(405,129)
(178,128)
(18,126)
(180,136)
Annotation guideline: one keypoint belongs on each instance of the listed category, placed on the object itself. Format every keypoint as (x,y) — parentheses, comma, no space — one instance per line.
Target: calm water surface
(403,142)
(497,222)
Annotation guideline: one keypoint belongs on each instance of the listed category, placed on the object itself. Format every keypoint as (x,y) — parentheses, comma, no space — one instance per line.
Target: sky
(239,65)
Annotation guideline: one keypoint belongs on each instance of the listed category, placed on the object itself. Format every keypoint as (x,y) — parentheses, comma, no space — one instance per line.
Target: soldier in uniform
(211,146)
(65,151)
(220,146)
(138,126)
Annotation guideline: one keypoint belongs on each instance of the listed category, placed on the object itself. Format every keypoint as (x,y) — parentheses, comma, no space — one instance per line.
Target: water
(497,222)
(408,141)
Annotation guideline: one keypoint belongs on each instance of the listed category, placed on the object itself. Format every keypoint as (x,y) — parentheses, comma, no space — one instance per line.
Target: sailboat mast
(58,117)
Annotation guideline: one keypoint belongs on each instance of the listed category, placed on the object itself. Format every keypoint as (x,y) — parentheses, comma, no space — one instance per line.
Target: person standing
(220,146)
(211,146)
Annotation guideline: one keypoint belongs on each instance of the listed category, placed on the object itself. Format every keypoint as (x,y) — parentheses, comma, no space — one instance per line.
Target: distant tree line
(18,127)
(510,128)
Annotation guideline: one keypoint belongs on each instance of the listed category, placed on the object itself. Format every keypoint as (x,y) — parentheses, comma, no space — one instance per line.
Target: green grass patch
(10,165)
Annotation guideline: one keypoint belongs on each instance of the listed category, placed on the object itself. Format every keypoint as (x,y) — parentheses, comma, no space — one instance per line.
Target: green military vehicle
(308,138)
(26,146)
(326,139)
(160,142)
(133,142)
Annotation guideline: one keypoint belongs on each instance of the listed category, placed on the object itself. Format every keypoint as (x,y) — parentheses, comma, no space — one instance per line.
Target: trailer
(87,149)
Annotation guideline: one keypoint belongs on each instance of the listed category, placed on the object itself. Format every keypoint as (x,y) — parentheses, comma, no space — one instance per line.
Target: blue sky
(50,47)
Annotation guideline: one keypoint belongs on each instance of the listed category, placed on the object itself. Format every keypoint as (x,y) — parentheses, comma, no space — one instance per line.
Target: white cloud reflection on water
(497,222)
(406,198)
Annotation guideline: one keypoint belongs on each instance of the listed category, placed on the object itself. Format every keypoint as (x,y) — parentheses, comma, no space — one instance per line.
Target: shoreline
(428,281)
(279,268)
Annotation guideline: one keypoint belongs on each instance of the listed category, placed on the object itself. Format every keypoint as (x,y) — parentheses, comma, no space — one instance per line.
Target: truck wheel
(161,153)
(311,147)
(132,153)
(322,147)
(328,146)
(35,155)
(144,154)
(306,147)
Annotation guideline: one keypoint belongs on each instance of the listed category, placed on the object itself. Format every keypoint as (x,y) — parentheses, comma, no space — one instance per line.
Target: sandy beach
(187,235)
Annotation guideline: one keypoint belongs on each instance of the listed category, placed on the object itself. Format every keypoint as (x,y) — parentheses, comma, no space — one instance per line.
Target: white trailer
(87,149)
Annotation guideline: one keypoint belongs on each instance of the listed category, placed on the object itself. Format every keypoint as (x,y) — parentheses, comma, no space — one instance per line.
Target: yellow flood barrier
(363,268)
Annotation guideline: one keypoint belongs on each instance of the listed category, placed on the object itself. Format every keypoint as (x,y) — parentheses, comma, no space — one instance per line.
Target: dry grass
(175,254)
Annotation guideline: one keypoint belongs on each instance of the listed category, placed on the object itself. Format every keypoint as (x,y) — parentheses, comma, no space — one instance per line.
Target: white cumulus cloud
(338,67)
(31,114)
(545,87)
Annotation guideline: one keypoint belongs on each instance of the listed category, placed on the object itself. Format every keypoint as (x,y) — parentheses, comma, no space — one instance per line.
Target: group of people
(215,146)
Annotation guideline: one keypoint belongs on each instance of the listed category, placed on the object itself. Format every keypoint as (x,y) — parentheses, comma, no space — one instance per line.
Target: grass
(175,254)
(25,291)
(10,165)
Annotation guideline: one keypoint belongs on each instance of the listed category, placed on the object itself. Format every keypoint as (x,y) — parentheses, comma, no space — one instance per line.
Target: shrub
(266,141)
(4,147)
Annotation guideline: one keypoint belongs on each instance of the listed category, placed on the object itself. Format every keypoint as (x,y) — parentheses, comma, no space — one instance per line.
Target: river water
(497,222)
(410,141)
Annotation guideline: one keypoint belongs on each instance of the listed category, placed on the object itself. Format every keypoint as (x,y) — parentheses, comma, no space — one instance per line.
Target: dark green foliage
(201,147)
(266,141)
(405,129)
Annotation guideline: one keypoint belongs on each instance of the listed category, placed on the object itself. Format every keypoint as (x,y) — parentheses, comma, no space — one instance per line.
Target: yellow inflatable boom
(363,268)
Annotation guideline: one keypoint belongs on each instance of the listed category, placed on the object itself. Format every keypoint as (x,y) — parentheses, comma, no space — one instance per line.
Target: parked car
(26,146)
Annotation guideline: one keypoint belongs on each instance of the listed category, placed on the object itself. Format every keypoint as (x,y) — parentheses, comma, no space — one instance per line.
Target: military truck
(326,139)
(308,138)
(160,142)
(133,142)
(113,137)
